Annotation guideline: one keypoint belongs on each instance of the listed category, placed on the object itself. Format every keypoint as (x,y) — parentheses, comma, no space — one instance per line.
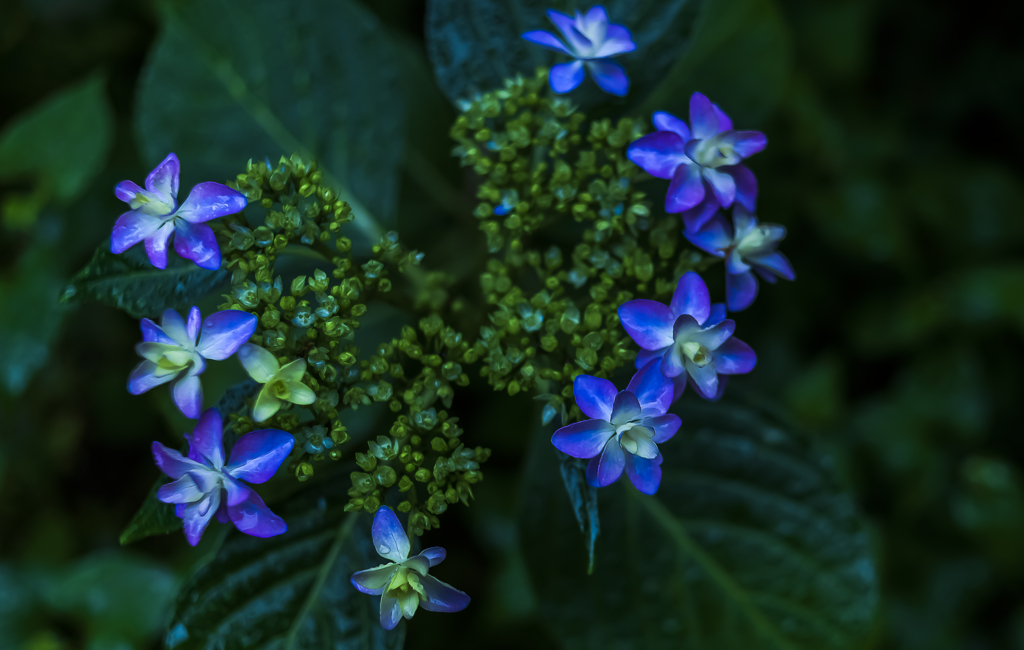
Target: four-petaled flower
(624,430)
(281,383)
(156,215)
(747,248)
(684,337)
(205,486)
(403,583)
(171,352)
(703,164)
(590,40)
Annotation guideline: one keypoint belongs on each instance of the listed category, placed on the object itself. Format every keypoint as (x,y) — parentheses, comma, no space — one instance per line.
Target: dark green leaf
(287,592)
(63,142)
(129,282)
(748,544)
(475,46)
(583,498)
(158,518)
(230,80)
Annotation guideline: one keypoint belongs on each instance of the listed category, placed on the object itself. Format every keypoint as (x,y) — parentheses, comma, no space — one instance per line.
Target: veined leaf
(230,80)
(475,46)
(129,282)
(289,592)
(748,544)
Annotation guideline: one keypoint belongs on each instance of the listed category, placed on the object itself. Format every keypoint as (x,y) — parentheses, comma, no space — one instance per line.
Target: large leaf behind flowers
(230,80)
(748,544)
(474,45)
(290,592)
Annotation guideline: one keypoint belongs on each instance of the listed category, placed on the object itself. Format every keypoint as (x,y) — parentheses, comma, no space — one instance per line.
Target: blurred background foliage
(894,133)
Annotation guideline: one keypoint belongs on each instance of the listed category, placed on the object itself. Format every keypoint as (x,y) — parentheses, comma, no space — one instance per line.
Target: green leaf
(129,282)
(230,80)
(747,544)
(475,46)
(741,59)
(158,518)
(287,592)
(63,142)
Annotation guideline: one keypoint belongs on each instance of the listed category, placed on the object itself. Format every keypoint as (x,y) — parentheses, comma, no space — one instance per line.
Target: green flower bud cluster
(541,163)
(423,456)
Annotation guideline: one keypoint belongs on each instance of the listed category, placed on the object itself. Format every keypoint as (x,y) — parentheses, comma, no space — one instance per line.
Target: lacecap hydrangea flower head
(591,40)
(155,216)
(403,584)
(703,161)
(624,428)
(685,338)
(206,485)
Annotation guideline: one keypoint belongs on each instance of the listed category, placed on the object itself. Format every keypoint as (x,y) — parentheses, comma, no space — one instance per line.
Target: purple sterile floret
(699,339)
(404,583)
(155,215)
(624,428)
(590,39)
(749,251)
(171,352)
(203,486)
(702,162)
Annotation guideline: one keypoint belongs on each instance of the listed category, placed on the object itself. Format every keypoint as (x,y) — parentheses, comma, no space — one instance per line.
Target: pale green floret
(716,151)
(281,383)
(695,352)
(761,239)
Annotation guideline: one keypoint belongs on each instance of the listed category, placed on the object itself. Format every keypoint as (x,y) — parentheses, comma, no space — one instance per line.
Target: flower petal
(174,326)
(606,468)
(723,380)
(196,242)
(734,357)
(643,357)
(188,396)
(776,262)
(583,439)
(695,218)
(594,396)
(237,492)
(722,185)
(713,238)
(704,378)
(746,185)
(148,375)
(714,336)
(151,333)
(156,245)
(197,516)
(665,426)
(546,39)
(617,40)
(195,318)
(253,517)
(299,393)
(207,438)
(672,362)
(442,597)
(258,362)
(717,315)
(625,408)
(209,201)
(435,555)
(293,371)
(257,455)
(686,189)
(645,447)
(374,581)
(225,332)
(740,290)
(266,405)
(653,390)
(164,177)
(745,143)
(172,463)
(566,76)
(390,612)
(578,43)
(668,122)
(647,322)
(724,121)
(645,474)
(703,117)
(388,536)
(184,490)
(658,154)
(691,297)
(132,228)
(609,77)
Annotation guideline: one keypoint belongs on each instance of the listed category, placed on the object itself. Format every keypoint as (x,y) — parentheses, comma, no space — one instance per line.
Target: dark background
(894,130)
